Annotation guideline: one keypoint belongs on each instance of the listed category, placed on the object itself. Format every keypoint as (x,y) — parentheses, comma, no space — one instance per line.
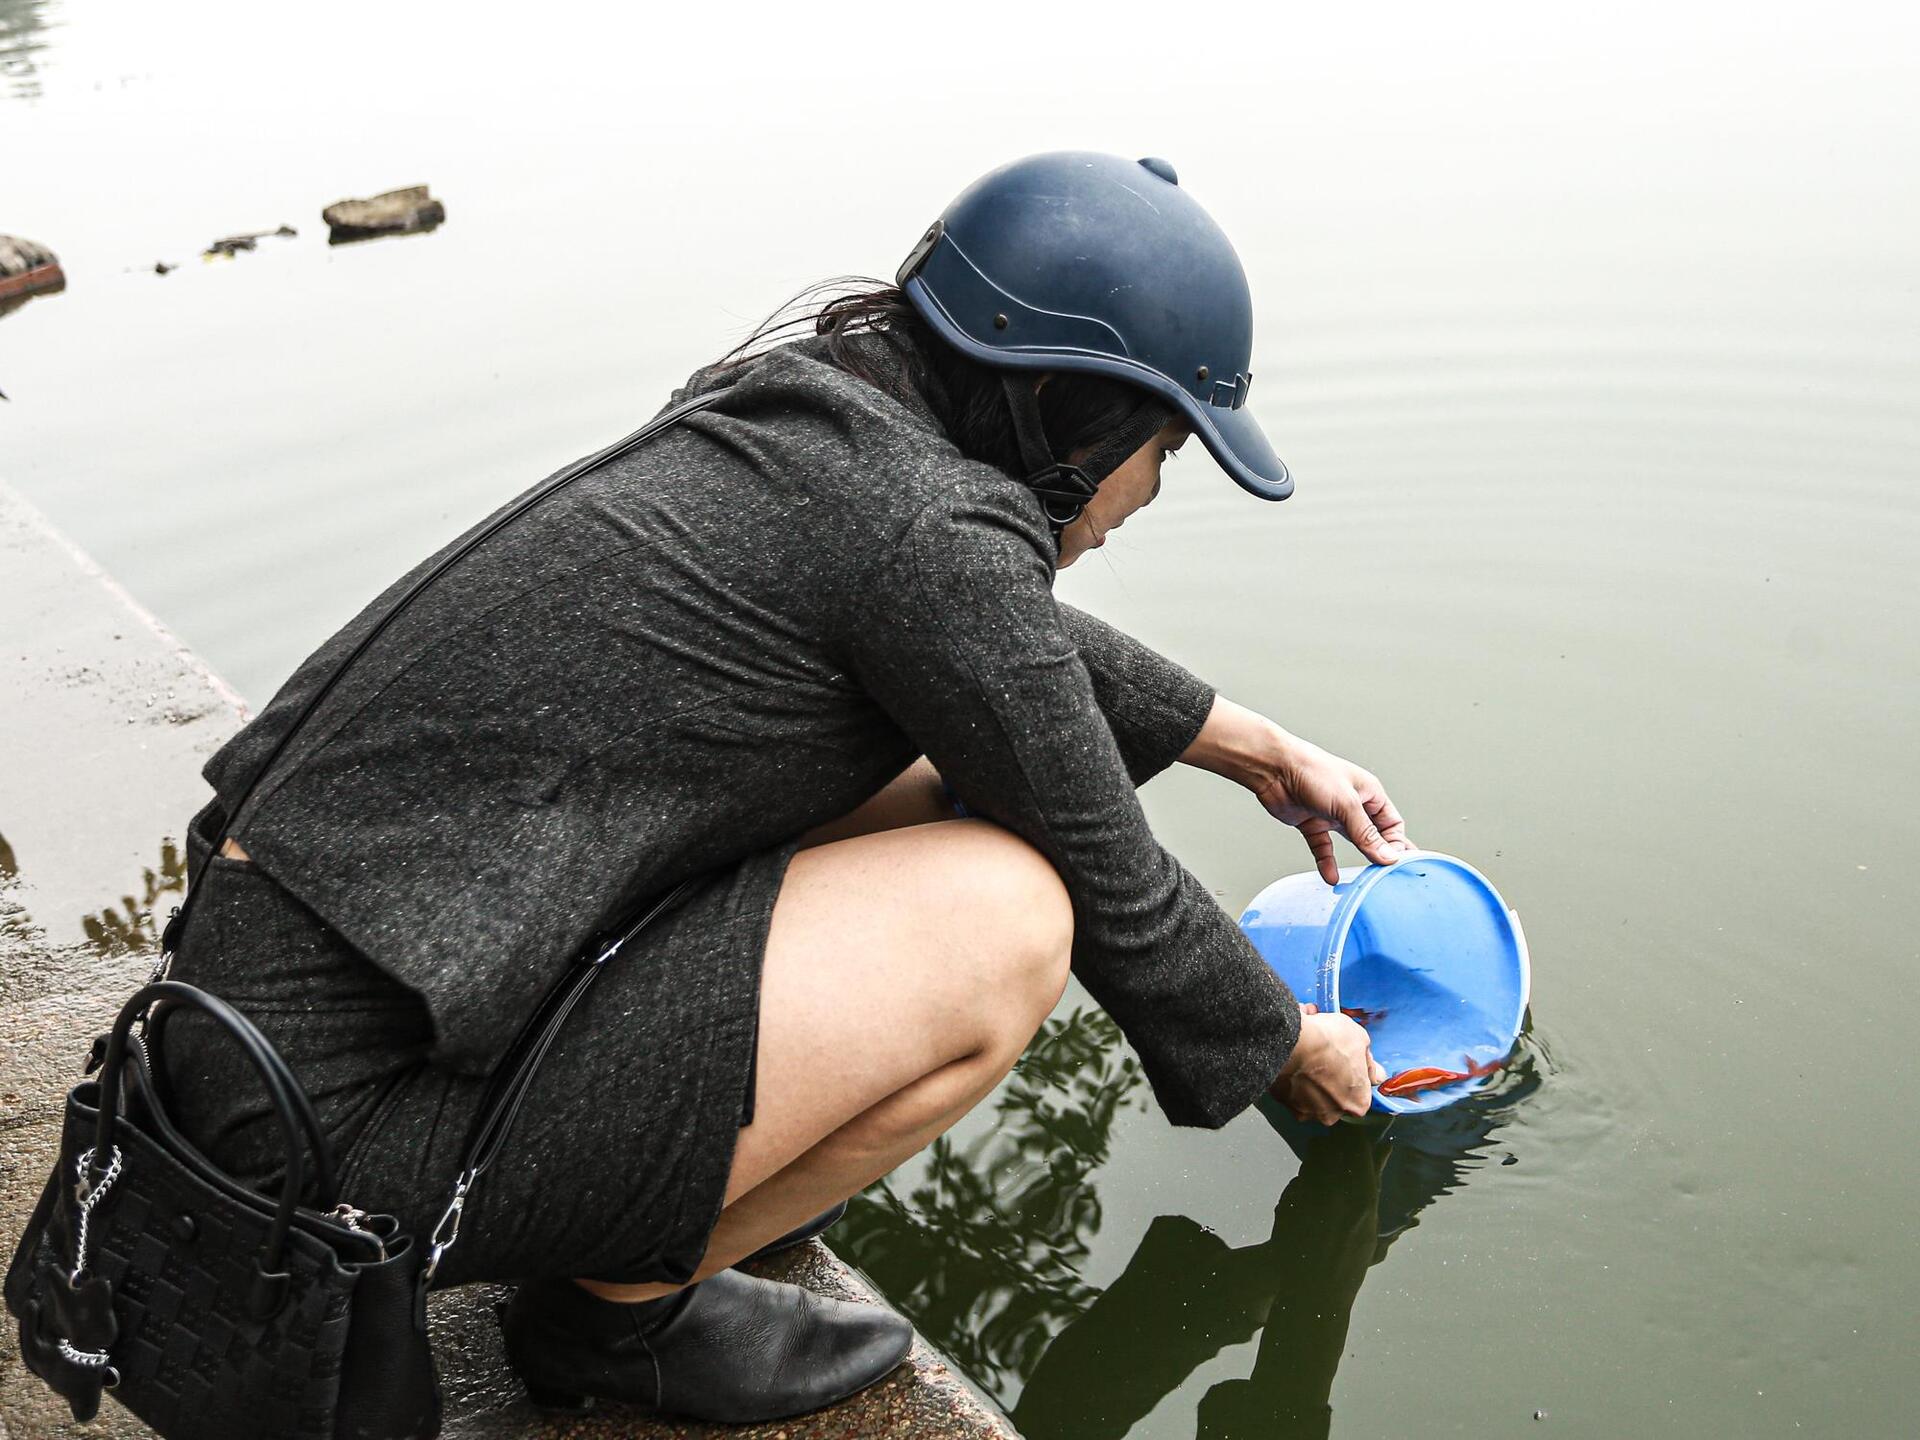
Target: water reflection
(13,919)
(22,26)
(1433,1154)
(986,1254)
(131,926)
(1186,1295)
(120,929)
(15,923)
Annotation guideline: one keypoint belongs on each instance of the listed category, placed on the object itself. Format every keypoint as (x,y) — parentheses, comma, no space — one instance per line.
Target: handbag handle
(270,1282)
(327,1195)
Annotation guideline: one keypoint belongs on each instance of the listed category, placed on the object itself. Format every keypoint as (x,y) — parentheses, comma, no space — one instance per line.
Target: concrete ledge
(923,1398)
(107,722)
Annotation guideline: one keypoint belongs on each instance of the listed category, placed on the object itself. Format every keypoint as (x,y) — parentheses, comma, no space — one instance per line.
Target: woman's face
(1134,484)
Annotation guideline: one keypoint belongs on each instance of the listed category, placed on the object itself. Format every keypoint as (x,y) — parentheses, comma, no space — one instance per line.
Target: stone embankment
(106,722)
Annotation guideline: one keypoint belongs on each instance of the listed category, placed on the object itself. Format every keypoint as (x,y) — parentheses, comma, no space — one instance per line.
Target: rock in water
(26,269)
(398,212)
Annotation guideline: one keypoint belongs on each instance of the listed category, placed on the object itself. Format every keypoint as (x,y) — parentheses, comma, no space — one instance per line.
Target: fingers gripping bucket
(1424,953)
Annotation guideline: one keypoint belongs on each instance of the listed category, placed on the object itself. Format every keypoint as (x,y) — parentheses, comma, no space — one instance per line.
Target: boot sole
(559,1402)
(552,1401)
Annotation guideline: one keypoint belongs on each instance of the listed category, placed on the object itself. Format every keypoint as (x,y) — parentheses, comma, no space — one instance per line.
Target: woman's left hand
(1302,785)
(1318,793)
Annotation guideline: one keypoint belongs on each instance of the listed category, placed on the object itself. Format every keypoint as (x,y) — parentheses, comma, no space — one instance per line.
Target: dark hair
(1076,410)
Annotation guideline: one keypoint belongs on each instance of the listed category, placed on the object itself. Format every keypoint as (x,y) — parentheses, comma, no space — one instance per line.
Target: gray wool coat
(740,630)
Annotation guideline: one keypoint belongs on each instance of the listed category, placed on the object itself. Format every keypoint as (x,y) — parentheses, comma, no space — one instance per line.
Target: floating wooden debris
(233,244)
(27,269)
(398,212)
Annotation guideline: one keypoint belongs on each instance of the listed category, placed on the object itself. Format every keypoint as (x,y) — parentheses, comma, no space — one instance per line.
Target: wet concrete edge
(108,717)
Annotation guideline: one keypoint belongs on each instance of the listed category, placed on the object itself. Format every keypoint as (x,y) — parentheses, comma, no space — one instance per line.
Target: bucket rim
(1340,922)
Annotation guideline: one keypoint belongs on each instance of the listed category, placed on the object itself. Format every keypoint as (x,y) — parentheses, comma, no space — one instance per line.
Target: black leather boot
(818,1225)
(733,1348)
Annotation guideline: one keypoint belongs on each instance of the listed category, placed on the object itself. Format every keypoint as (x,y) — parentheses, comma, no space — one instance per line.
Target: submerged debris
(397,212)
(233,244)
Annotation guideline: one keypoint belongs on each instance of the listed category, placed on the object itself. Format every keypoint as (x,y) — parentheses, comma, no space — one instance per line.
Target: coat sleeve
(1154,707)
(957,636)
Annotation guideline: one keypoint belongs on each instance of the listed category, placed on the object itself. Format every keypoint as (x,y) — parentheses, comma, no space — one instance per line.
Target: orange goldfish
(1431,1077)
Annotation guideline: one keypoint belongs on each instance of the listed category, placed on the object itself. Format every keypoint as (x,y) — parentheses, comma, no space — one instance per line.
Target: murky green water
(1595,345)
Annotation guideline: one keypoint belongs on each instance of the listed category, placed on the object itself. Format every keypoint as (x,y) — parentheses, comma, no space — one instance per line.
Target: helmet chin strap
(1063,488)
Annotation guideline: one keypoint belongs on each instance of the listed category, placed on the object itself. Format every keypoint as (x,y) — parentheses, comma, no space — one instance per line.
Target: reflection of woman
(771,648)
(1186,1295)
(1323,1242)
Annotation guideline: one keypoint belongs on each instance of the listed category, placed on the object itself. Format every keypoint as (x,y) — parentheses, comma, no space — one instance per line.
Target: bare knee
(1024,929)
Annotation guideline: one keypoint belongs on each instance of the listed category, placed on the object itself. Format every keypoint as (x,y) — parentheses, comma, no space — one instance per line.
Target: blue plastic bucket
(1426,947)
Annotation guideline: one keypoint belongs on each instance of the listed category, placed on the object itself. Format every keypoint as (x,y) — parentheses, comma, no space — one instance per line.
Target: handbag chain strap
(514,1074)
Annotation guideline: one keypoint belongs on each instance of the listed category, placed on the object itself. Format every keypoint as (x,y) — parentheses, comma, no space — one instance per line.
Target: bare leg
(905,971)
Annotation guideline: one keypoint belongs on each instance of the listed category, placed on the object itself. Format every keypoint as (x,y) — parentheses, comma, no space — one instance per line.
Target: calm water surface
(1594,343)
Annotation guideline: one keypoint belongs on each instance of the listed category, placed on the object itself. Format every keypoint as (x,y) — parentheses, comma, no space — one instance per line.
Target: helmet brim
(1233,437)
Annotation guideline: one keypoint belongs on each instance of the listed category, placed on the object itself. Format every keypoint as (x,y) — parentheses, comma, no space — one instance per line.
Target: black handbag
(210,1310)
(214,1312)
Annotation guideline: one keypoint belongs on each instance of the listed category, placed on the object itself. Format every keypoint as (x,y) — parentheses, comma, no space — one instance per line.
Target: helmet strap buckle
(1063,491)
(1062,487)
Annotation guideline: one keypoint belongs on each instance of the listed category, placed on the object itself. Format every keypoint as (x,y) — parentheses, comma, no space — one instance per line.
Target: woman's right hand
(1331,1072)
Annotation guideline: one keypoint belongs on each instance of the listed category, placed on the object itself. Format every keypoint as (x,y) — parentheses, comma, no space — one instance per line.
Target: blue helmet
(1089,262)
